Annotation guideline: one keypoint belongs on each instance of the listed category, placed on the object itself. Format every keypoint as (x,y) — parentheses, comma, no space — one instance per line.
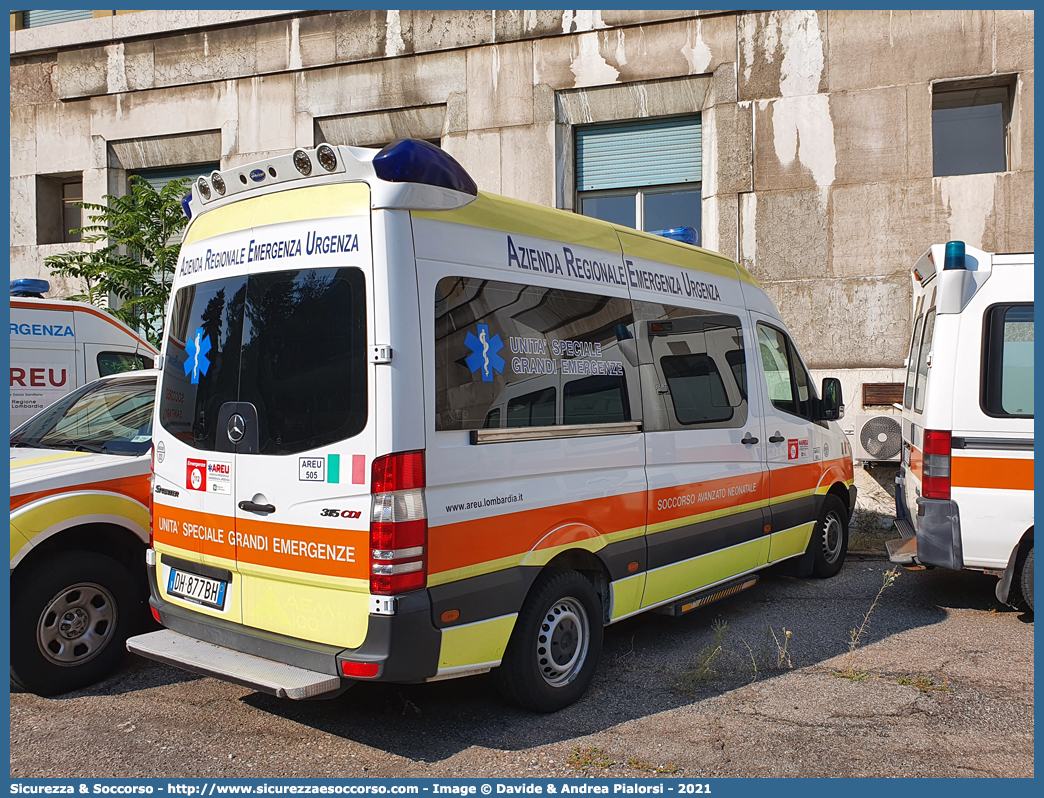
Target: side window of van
(911,363)
(510,355)
(789,386)
(921,378)
(693,367)
(1007,364)
(119,362)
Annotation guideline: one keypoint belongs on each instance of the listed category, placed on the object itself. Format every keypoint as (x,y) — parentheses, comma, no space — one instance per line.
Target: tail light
(935,480)
(398,525)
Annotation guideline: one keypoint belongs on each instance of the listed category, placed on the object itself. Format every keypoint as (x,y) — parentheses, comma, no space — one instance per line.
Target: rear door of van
(267,363)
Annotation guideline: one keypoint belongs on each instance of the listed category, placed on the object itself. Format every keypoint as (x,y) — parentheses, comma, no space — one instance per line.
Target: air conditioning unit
(877,438)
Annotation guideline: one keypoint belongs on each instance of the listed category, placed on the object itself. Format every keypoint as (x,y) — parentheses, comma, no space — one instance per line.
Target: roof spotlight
(303,162)
(326,157)
(219,183)
(204,187)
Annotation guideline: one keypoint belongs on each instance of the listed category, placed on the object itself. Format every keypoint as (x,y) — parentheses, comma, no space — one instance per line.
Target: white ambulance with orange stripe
(964,493)
(409,431)
(57,346)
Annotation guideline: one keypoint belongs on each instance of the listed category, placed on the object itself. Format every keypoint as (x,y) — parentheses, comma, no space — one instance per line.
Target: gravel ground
(940,685)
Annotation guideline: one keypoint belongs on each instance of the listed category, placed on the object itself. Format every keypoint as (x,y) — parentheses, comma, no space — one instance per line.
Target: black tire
(70,620)
(561,605)
(829,543)
(1025,577)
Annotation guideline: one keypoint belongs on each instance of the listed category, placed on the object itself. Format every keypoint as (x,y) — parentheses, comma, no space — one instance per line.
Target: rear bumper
(939,533)
(405,646)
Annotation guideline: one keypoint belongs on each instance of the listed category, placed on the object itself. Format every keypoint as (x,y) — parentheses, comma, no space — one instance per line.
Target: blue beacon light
(185,205)
(687,235)
(416,161)
(954,255)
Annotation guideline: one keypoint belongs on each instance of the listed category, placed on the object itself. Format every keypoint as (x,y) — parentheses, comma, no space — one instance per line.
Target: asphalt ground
(940,684)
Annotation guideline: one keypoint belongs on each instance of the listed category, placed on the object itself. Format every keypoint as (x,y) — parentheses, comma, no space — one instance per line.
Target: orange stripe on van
(991,472)
(681,501)
(452,546)
(917,463)
(136,488)
(307,549)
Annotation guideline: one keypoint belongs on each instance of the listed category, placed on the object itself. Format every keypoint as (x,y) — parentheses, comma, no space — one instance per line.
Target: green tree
(132,254)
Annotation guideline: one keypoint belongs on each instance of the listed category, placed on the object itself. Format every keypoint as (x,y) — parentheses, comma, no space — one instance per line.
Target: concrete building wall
(817,126)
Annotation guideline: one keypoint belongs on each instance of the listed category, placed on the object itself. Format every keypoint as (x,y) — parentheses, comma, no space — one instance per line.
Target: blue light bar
(954,255)
(416,161)
(185,205)
(687,235)
(30,287)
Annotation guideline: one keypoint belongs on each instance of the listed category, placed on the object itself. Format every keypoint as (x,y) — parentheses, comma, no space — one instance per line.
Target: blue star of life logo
(196,349)
(484,351)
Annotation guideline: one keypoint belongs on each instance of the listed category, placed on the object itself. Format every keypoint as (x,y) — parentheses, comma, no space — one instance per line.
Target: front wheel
(829,542)
(70,620)
(554,648)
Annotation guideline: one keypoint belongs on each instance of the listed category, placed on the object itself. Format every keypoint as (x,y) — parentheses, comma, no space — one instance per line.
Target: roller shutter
(647,152)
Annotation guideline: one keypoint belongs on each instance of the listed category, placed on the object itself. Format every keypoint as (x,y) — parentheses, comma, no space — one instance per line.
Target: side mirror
(831,406)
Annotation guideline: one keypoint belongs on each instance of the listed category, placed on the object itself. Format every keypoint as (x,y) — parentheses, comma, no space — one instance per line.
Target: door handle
(257,508)
(749,439)
(777,438)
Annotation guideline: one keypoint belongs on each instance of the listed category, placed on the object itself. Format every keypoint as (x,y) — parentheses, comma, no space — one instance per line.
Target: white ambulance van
(57,346)
(409,431)
(964,492)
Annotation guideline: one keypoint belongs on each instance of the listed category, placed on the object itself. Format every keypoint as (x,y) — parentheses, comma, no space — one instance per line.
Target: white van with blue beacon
(964,492)
(410,431)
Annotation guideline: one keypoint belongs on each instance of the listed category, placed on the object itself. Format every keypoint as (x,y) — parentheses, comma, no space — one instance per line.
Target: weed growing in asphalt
(847,670)
(699,672)
(636,764)
(782,655)
(925,684)
(590,757)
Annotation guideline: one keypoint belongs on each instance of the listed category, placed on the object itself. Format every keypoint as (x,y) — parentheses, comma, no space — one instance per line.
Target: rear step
(902,551)
(264,675)
(702,599)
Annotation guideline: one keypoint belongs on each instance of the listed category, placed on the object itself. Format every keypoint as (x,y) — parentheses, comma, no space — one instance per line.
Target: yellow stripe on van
(294,205)
(513,216)
(47,458)
(688,576)
(42,517)
(664,250)
(18,541)
(475,643)
(789,542)
(627,595)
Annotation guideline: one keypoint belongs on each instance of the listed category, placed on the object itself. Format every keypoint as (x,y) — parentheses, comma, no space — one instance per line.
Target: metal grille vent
(881,437)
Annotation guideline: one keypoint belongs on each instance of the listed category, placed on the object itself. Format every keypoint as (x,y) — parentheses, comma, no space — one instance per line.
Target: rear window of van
(291,343)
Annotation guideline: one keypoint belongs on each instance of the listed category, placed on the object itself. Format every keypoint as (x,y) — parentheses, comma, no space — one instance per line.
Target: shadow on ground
(650,664)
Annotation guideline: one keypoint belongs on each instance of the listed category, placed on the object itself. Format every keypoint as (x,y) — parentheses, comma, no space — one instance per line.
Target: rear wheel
(555,645)
(1026,580)
(70,621)
(829,542)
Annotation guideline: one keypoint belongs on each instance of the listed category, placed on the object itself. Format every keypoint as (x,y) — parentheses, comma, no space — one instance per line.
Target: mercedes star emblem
(236,428)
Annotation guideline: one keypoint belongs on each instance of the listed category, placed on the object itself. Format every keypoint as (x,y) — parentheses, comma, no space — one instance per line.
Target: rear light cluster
(935,479)
(398,525)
